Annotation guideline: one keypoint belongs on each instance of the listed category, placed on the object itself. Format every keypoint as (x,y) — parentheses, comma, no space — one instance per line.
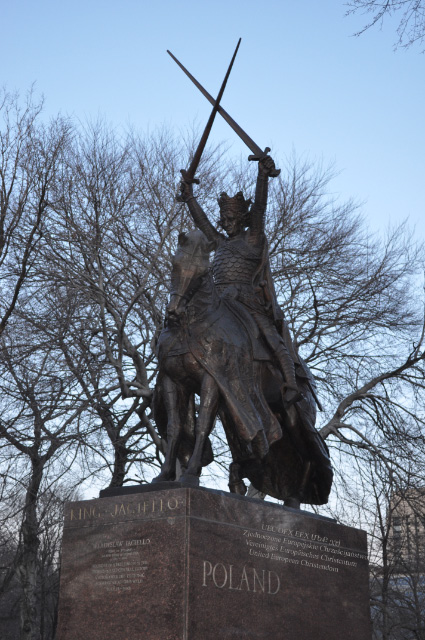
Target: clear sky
(300,82)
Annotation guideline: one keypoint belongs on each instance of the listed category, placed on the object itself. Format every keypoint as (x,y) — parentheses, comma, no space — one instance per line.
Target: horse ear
(182,238)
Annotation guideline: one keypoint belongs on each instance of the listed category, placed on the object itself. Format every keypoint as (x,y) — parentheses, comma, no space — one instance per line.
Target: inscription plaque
(192,564)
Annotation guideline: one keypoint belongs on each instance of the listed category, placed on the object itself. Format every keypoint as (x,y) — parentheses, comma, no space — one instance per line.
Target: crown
(235,203)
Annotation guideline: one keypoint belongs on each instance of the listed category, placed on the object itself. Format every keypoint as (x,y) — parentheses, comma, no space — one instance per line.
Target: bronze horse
(205,350)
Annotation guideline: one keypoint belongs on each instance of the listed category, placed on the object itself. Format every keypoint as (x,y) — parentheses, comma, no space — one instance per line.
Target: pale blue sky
(300,81)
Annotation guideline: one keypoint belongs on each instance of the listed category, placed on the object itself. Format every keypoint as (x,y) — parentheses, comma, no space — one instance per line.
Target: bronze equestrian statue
(204,349)
(227,341)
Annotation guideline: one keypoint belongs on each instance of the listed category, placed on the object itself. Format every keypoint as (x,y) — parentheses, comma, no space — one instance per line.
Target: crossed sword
(258,153)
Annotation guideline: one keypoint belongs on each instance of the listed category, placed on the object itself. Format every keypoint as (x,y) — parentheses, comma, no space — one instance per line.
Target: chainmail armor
(235,262)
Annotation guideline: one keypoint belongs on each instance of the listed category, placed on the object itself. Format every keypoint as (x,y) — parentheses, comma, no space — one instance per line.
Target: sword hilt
(188,178)
(264,154)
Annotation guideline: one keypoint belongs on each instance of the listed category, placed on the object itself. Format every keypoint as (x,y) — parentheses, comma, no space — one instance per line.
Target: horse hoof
(190,480)
(238,487)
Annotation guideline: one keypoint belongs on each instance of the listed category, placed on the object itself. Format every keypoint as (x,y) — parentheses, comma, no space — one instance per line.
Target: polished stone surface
(195,564)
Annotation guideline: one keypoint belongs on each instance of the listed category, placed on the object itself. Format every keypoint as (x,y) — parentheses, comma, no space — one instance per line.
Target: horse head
(190,265)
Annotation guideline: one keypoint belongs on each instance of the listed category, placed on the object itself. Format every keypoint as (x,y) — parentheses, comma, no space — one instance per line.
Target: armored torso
(236,262)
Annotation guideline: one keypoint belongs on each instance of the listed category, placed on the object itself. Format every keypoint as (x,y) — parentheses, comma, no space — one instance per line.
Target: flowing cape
(219,344)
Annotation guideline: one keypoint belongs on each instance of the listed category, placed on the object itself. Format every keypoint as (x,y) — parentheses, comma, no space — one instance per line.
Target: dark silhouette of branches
(411,27)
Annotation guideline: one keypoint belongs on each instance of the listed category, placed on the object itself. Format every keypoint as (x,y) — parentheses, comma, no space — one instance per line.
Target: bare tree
(29,154)
(108,252)
(78,364)
(50,519)
(411,28)
(394,509)
(41,416)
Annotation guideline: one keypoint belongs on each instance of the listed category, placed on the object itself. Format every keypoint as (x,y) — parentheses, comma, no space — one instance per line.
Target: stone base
(197,564)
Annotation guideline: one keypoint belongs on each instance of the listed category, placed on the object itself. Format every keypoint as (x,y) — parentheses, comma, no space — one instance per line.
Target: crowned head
(234,212)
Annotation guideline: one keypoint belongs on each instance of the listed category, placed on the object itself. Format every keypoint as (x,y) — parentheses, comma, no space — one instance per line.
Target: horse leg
(209,405)
(236,483)
(174,430)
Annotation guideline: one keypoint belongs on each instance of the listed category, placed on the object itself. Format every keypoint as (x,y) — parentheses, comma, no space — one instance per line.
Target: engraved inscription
(120,565)
(141,510)
(294,533)
(300,548)
(229,576)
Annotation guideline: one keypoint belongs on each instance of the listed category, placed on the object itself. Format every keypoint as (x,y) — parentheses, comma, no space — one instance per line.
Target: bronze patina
(227,340)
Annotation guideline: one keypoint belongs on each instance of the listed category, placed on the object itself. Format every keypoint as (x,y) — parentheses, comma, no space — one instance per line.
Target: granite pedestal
(197,564)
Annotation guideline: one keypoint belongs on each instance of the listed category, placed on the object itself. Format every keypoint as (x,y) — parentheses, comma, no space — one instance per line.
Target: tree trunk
(120,461)
(27,569)
(385,590)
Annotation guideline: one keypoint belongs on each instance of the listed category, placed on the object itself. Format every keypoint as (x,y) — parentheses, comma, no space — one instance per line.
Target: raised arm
(266,167)
(198,214)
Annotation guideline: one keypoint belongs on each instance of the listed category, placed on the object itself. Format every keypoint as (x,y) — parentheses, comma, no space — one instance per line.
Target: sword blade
(256,150)
(189,175)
